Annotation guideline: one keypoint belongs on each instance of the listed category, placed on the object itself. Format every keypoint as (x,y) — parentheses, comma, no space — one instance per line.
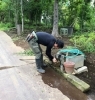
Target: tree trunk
(19,31)
(22,16)
(15,14)
(55,21)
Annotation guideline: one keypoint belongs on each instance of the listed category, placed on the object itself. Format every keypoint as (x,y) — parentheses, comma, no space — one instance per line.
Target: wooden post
(19,30)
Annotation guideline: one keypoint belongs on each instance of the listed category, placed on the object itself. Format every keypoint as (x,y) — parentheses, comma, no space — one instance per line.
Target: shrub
(5,26)
(85,42)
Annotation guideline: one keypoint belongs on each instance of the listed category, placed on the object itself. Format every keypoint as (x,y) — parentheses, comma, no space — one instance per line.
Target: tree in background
(55,19)
(74,13)
(3,11)
(33,11)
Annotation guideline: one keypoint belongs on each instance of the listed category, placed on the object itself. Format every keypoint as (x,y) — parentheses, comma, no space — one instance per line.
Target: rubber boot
(39,66)
(43,64)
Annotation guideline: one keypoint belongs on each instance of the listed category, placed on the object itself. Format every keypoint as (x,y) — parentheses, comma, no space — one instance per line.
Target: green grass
(27,52)
(5,26)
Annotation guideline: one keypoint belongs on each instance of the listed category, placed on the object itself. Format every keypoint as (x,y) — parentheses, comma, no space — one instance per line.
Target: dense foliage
(76,13)
(85,42)
(39,14)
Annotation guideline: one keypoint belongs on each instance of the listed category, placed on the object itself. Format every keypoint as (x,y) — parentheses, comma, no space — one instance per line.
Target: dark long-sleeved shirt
(47,40)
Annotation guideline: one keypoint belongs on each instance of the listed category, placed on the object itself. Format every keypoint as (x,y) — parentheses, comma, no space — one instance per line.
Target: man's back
(45,38)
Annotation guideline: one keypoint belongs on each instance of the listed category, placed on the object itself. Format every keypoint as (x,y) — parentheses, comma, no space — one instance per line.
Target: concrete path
(19,80)
(8,52)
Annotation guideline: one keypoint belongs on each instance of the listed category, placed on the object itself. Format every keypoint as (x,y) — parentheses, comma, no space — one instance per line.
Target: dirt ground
(88,77)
